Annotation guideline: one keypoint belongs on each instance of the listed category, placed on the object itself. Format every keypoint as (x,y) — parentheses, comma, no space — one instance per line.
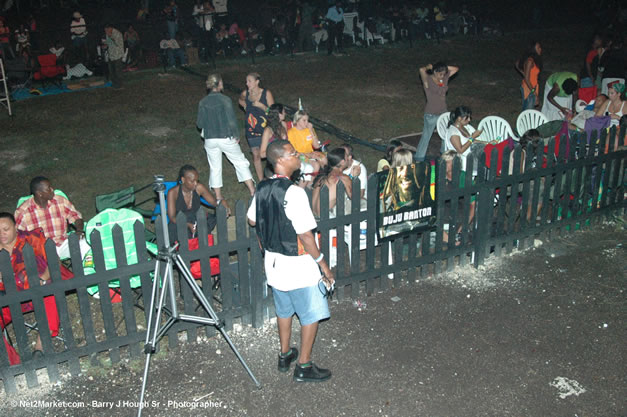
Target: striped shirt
(52,220)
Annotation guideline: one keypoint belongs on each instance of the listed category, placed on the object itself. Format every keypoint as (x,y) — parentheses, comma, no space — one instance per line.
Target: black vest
(274,229)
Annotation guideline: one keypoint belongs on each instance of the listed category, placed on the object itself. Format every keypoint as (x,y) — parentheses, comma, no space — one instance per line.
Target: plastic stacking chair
(104,222)
(349,25)
(495,128)
(442,124)
(529,119)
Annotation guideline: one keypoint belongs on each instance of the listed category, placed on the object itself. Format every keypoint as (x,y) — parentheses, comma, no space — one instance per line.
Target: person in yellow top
(303,138)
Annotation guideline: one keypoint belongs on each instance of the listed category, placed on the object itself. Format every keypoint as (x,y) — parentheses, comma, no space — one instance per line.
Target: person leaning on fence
(13,241)
(331,175)
(283,220)
(185,198)
(52,213)
(218,127)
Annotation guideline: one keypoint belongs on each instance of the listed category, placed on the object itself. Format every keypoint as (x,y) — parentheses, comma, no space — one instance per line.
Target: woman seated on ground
(384,163)
(458,135)
(13,241)
(615,106)
(303,138)
(185,198)
(330,176)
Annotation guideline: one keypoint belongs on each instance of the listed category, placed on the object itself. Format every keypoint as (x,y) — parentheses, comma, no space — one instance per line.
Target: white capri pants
(215,147)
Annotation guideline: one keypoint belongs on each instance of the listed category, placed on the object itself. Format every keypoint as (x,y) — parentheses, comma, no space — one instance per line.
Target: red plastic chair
(49,70)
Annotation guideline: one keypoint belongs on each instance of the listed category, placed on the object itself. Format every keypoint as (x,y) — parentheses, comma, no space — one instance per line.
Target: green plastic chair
(104,222)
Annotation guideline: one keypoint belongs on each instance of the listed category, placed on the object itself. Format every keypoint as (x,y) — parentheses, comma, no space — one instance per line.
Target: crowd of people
(280,211)
(90,47)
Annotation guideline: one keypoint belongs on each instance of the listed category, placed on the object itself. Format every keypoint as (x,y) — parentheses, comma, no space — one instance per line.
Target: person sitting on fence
(353,169)
(13,241)
(52,213)
(330,176)
(173,52)
(283,220)
(185,198)
(384,163)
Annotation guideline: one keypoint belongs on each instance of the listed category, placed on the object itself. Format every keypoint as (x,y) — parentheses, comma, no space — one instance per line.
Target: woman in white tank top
(615,104)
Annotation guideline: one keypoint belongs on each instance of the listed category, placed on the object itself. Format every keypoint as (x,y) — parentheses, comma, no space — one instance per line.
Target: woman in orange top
(303,138)
(529,66)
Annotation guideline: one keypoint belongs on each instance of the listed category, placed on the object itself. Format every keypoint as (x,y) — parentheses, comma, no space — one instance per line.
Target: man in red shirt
(51,213)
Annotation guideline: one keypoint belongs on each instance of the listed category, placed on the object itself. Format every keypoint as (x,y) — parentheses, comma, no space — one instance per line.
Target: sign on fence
(406,202)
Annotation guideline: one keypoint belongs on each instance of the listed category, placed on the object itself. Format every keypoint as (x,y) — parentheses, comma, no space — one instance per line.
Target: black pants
(115,70)
(335,33)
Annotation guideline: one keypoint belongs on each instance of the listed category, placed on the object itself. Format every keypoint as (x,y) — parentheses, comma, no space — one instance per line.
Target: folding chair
(104,223)
(49,70)
(124,198)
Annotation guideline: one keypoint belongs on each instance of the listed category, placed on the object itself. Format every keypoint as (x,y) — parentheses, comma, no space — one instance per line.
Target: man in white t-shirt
(284,222)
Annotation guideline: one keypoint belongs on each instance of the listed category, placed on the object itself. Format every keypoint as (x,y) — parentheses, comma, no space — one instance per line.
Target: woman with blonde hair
(303,138)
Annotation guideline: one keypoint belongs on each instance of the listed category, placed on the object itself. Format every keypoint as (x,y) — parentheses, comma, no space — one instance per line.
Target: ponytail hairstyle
(460,112)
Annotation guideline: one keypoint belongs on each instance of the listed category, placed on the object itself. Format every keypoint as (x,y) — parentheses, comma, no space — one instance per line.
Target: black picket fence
(487,216)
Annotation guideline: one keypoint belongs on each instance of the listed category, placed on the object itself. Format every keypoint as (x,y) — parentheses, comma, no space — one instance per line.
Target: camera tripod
(164,293)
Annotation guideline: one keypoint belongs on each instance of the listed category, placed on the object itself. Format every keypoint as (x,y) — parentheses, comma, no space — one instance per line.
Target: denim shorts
(308,303)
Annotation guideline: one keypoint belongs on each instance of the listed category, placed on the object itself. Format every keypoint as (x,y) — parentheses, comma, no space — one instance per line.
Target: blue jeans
(529,102)
(430,121)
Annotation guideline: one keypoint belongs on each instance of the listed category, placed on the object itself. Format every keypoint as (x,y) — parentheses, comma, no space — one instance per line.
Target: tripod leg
(144,379)
(218,323)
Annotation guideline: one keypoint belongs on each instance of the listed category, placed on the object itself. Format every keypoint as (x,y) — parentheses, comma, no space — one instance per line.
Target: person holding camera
(282,217)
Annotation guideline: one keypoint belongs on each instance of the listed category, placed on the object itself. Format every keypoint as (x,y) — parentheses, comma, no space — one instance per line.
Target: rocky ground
(535,333)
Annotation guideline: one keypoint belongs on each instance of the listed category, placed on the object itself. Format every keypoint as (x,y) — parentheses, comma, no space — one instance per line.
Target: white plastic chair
(442,124)
(529,119)
(349,27)
(495,128)
(370,37)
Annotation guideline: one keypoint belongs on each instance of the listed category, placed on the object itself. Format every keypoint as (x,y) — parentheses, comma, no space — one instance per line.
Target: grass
(102,140)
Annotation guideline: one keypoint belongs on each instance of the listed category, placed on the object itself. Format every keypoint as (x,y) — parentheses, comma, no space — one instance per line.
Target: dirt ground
(535,333)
